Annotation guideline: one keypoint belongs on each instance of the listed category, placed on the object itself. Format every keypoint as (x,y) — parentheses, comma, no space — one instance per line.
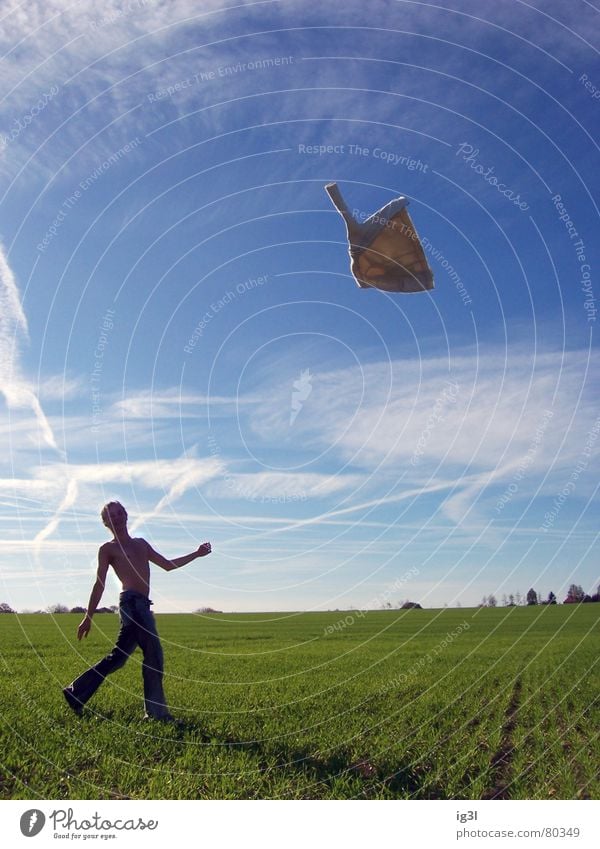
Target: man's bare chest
(131,554)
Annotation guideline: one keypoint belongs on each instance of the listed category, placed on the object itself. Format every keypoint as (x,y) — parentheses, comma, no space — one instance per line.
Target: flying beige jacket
(385,251)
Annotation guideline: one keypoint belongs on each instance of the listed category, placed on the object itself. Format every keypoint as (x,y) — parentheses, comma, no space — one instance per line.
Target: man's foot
(73,702)
(160,717)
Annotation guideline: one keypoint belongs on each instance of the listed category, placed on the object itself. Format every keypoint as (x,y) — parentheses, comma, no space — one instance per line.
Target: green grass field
(463,704)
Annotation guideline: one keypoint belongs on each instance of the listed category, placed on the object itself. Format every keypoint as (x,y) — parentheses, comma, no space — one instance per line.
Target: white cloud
(474,423)
(271,486)
(390,434)
(59,387)
(69,480)
(173,403)
(483,408)
(103,60)
(106,62)
(152,474)
(121,52)
(30,487)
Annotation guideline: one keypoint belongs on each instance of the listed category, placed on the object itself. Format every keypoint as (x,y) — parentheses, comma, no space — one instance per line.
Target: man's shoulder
(106,552)
(114,545)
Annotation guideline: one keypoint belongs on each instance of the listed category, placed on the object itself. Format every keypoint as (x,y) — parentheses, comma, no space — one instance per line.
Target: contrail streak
(13,330)
(68,501)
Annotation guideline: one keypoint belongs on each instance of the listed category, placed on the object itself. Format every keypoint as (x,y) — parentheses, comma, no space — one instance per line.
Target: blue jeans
(137,629)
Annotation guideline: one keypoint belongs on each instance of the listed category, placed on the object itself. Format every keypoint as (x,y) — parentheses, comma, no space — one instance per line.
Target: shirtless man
(130,558)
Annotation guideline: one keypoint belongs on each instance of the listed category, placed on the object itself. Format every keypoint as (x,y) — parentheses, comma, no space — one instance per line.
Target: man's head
(114,516)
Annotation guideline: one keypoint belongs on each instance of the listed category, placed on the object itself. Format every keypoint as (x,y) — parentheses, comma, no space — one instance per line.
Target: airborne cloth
(385,251)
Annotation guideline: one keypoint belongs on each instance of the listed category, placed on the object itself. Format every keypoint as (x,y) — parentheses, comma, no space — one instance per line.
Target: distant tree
(551,598)
(105,610)
(114,608)
(492,601)
(6,608)
(484,601)
(207,610)
(77,610)
(587,598)
(575,595)
(411,605)
(58,608)
(532,597)
(511,601)
(518,599)
(458,604)
(504,600)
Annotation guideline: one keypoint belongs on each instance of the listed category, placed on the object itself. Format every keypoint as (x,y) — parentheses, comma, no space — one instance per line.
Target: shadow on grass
(366,778)
(330,772)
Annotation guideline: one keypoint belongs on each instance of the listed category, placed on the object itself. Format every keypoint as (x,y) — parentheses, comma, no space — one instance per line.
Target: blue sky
(180,330)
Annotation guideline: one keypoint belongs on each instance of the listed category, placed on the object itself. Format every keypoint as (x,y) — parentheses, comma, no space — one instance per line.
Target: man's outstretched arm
(176,562)
(96,594)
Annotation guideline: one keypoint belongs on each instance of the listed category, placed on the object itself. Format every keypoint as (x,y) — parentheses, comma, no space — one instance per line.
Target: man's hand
(204,549)
(84,627)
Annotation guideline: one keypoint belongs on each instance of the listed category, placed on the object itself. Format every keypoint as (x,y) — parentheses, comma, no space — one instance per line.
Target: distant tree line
(59,608)
(575,595)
